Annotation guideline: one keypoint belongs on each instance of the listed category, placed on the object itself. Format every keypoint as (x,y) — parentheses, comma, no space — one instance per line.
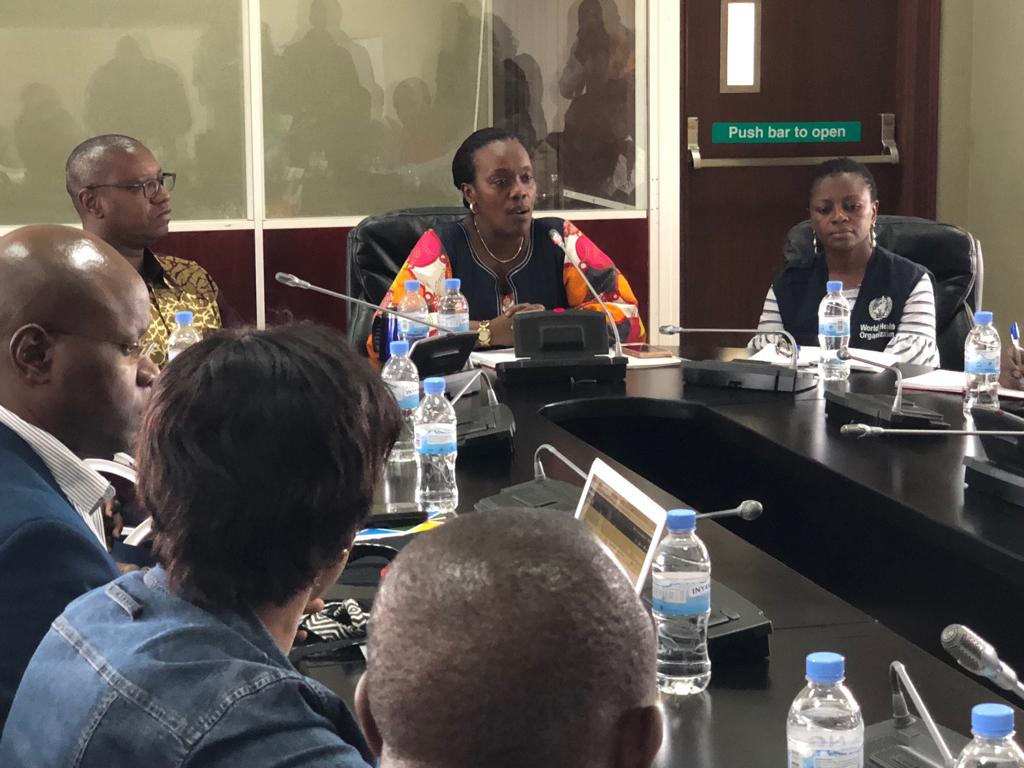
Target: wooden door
(821,60)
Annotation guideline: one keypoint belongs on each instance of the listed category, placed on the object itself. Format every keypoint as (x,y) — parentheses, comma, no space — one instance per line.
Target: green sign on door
(784,133)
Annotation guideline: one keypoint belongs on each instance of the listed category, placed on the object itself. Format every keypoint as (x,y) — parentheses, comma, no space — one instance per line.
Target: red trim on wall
(319,256)
(316,255)
(229,256)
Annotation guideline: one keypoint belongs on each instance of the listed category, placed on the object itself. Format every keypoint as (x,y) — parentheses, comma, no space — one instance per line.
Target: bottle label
(410,329)
(981,363)
(834,326)
(844,757)
(681,594)
(458,322)
(407,393)
(435,439)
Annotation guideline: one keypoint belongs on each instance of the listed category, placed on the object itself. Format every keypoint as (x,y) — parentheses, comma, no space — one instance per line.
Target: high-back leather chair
(377,248)
(951,254)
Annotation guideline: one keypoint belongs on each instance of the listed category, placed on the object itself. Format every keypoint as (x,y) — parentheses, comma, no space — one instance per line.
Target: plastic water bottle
(400,474)
(993,744)
(681,603)
(453,309)
(183,336)
(981,364)
(413,304)
(403,380)
(434,436)
(833,332)
(825,726)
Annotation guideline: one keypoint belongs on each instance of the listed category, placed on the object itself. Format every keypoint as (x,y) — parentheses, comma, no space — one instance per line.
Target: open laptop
(625,520)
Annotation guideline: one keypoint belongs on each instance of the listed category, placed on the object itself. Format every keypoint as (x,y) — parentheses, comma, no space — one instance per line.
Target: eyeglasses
(150,188)
(133,351)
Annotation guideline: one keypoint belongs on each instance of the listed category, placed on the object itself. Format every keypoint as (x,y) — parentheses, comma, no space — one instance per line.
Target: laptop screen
(626,521)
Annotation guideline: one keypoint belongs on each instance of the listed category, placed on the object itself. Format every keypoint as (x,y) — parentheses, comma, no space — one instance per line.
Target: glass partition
(169,74)
(365,104)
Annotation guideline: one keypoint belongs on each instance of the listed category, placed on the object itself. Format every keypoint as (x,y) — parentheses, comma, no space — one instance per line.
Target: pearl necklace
(490,253)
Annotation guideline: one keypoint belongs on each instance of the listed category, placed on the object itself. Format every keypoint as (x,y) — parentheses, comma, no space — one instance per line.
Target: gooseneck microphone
(897,401)
(292,281)
(675,330)
(746,510)
(979,657)
(866,430)
(556,238)
(538,465)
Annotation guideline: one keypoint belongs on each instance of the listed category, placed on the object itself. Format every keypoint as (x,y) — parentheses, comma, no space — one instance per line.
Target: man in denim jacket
(258,458)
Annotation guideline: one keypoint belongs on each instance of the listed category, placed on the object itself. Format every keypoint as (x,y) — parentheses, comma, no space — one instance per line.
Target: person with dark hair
(892,298)
(258,459)
(73,383)
(504,256)
(121,194)
(509,639)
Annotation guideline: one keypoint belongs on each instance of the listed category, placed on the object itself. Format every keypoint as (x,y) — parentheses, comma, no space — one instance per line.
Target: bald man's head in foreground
(509,639)
(72,313)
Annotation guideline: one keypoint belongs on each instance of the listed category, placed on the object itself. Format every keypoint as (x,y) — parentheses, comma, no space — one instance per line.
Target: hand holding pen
(1013,360)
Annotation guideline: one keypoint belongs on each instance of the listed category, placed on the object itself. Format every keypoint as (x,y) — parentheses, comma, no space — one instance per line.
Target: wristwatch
(484,332)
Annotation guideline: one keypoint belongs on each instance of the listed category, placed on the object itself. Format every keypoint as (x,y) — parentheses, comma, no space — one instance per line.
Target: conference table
(866,547)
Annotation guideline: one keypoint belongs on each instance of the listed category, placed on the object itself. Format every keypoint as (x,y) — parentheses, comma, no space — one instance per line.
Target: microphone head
(556,238)
(970,651)
(285,279)
(750,509)
(843,354)
(855,430)
(670,329)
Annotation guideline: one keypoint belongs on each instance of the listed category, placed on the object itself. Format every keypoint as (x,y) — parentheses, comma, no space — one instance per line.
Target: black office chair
(951,254)
(377,248)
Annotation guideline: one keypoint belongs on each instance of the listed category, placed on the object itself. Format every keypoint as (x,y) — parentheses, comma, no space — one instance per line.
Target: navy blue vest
(888,282)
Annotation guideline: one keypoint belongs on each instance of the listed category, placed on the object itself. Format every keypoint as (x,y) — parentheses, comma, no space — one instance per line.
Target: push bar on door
(890,153)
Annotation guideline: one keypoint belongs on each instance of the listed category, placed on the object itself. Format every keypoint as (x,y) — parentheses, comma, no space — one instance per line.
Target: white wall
(981,155)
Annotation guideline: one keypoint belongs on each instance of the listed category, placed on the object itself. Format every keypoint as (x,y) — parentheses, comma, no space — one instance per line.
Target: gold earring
(814,243)
(472,208)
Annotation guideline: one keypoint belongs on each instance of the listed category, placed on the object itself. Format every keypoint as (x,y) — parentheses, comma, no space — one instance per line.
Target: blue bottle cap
(834,286)
(681,520)
(825,667)
(434,385)
(453,284)
(183,317)
(412,286)
(399,348)
(983,318)
(991,721)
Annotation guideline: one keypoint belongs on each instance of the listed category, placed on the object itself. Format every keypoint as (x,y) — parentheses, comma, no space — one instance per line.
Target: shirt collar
(244,621)
(84,487)
(153,271)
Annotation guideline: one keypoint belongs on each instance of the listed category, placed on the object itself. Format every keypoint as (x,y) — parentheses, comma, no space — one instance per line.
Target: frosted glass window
(169,74)
(741,49)
(365,103)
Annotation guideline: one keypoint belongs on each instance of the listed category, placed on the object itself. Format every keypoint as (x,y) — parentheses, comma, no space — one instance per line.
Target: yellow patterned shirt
(177,284)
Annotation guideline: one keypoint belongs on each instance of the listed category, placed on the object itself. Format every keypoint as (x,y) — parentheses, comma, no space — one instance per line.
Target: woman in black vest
(892,299)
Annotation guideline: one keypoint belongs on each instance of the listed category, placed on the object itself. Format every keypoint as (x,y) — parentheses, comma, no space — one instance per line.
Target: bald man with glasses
(123,196)
(73,382)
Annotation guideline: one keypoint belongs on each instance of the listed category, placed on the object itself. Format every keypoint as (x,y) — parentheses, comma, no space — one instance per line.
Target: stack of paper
(952,382)
(490,359)
(809,357)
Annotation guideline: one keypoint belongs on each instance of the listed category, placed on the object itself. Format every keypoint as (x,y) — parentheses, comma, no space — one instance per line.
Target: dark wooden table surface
(868,547)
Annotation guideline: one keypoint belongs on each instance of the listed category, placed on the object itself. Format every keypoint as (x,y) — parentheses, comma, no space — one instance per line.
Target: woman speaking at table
(892,299)
(504,256)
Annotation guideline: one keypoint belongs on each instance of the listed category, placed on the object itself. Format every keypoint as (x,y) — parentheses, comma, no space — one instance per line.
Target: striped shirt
(84,488)
(914,341)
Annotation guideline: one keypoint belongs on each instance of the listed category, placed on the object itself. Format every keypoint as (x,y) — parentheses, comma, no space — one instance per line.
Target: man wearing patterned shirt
(123,195)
